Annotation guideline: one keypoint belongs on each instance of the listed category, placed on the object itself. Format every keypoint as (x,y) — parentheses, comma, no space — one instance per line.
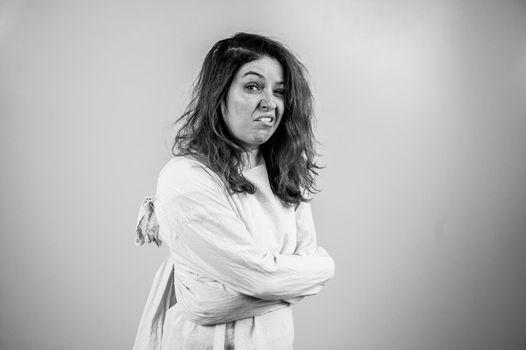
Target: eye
(279,92)
(252,87)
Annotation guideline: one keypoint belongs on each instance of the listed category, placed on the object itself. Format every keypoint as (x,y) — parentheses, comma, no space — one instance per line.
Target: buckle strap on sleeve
(147,229)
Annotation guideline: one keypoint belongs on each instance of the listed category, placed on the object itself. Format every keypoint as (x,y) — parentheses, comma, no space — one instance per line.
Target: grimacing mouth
(266,118)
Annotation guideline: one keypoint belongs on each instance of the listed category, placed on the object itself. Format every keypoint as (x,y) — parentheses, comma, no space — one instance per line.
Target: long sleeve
(305,230)
(219,246)
(205,302)
(210,302)
(306,237)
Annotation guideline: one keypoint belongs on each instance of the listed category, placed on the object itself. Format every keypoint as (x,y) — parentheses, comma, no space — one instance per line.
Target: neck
(251,158)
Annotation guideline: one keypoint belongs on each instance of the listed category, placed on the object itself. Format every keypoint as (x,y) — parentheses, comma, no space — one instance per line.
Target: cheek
(281,109)
(242,108)
(239,117)
(231,110)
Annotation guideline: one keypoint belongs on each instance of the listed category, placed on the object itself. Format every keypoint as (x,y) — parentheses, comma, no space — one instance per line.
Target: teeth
(265,119)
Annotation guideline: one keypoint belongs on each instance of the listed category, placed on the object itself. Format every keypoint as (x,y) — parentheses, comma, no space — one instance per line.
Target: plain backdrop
(421,120)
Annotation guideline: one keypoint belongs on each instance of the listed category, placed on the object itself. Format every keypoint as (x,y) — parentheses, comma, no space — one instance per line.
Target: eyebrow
(260,75)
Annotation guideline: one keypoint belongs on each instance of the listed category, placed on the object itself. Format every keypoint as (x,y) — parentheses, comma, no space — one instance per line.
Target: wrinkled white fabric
(237,262)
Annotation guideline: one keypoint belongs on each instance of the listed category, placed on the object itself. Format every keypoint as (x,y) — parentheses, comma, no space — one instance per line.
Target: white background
(422,125)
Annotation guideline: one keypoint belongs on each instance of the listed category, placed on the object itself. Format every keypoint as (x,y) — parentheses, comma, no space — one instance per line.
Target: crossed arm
(235,278)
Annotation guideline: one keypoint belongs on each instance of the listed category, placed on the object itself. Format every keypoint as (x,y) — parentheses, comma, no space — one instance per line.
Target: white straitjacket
(236,262)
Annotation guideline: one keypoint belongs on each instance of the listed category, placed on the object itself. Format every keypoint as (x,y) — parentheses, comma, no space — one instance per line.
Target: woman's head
(252,93)
(254,105)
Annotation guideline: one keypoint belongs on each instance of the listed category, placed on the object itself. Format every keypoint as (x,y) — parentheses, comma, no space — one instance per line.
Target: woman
(232,206)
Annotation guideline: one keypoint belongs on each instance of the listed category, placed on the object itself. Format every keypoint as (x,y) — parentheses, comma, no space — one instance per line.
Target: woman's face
(254,104)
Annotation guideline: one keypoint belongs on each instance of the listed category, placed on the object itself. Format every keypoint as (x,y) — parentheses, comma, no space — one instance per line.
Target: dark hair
(289,153)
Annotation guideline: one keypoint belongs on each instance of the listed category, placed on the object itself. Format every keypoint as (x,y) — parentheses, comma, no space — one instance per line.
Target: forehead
(265,66)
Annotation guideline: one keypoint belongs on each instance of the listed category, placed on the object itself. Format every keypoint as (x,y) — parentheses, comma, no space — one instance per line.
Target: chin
(259,142)
(259,139)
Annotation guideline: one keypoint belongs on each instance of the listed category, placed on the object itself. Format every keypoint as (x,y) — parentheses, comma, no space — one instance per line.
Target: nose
(267,102)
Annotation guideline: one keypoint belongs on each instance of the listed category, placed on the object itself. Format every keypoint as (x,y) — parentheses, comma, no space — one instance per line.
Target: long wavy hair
(289,153)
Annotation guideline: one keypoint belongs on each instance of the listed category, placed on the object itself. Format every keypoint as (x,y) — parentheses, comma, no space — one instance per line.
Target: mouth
(265,120)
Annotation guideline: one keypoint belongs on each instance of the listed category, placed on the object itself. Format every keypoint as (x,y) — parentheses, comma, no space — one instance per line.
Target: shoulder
(182,166)
(185,174)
